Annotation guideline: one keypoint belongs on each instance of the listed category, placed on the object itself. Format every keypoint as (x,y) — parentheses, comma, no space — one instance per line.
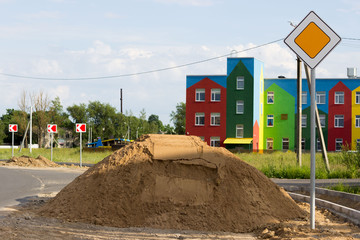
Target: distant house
(243,110)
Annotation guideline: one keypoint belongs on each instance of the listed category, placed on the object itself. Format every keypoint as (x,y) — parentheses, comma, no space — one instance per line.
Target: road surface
(16,184)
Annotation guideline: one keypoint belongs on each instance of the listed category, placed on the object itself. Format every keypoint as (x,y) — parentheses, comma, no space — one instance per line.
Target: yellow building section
(261,119)
(355,117)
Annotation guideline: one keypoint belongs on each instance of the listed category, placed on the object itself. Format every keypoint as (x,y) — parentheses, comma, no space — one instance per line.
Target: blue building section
(322,84)
(248,62)
(219,79)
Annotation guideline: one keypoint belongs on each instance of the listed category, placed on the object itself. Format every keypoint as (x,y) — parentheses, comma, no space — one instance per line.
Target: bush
(351,159)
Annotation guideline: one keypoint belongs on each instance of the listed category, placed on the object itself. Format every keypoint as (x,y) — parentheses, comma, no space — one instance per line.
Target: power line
(151,71)
(144,72)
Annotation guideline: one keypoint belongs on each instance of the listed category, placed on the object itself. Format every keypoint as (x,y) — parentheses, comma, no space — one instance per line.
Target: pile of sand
(173,182)
(26,161)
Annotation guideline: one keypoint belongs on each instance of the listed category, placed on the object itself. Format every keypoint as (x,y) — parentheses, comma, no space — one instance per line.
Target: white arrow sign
(13,127)
(52,128)
(80,127)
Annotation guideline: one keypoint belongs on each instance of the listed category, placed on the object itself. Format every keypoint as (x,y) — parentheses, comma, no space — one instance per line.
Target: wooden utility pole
(299,116)
(318,124)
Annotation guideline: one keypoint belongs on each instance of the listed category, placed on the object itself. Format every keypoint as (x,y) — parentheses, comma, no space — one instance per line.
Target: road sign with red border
(52,128)
(80,127)
(312,40)
(13,127)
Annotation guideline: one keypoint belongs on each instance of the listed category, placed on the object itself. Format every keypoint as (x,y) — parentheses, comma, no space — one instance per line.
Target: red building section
(207,130)
(339,119)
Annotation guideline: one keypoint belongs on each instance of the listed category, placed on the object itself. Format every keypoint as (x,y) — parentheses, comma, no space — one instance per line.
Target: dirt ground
(23,223)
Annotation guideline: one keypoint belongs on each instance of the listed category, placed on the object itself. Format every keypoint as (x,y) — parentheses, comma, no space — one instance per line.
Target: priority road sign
(52,128)
(13,127)
(312,40)
(80,127)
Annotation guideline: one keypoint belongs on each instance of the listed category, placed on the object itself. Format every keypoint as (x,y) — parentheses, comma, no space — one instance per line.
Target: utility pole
(30,129)
(121,101)
(318,123)
(299,117)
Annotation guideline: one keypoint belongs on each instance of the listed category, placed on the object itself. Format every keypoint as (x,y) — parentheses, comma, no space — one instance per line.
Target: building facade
(243,110)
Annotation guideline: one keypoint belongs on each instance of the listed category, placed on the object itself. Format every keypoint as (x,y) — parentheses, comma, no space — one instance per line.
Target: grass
(59,154)
(344,188)
(273,165)
(284,165)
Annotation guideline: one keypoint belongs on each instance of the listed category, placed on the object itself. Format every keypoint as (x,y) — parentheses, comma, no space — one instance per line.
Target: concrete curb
(350,214)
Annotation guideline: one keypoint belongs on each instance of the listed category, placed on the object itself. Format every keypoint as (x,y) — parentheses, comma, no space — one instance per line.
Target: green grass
(344,188)
(59,154)
(284,165)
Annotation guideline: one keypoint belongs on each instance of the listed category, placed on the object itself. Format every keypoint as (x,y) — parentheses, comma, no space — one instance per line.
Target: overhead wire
(140,73)
(156,70)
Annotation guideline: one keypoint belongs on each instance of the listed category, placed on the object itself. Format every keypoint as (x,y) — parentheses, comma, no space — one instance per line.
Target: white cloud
(46,67)
(61,91)
(135,53)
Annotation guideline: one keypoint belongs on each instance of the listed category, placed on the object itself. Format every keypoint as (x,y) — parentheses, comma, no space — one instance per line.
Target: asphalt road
(17,184)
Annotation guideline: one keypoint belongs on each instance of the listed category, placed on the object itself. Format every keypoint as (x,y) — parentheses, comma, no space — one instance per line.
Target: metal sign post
(80,128)
(312,149)
(13,128)
(12,145)
(51,142)
(52,128)
(312,40)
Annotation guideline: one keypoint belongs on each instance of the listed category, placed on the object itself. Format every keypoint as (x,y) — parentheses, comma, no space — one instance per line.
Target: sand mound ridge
(173,182)
(26,161)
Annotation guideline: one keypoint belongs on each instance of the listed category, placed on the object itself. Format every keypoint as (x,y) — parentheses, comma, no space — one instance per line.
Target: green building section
(283,113)
(306,130)
(233,95)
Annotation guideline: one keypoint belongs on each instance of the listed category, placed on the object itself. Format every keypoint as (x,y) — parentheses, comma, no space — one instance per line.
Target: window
(285,144)
(304,97)
(269,144)
(303,143)
(240,83)
(338,144)
(215,141)
(357,143)
(239,107)
(202,138)
(215,95)
(339,121)
(270,120)
(320,97)
(322,120)
(357,98)
(270,97)
(357,121)
(199,119)
(200,95)
(304,120)
(215,119)
(318,144)
(339,97)
(239,131)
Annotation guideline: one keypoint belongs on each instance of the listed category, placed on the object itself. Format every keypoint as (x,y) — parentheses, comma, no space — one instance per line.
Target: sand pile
(26,161)
(174,182)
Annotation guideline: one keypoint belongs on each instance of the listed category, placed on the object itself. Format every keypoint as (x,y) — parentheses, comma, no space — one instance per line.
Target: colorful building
(243,110)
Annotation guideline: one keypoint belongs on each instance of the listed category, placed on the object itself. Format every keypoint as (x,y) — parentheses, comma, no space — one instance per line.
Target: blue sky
(77,39)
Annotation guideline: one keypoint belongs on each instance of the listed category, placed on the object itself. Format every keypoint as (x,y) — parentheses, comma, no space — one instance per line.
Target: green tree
(154,119)
(102,117)
(178,118)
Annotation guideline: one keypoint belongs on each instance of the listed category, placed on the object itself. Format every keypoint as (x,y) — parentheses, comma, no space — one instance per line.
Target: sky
(77,39)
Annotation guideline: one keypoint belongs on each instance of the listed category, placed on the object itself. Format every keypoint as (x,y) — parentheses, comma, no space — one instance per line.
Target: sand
(26,161)
(173,182)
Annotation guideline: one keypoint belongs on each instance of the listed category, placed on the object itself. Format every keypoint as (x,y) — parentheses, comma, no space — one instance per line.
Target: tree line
(103,119)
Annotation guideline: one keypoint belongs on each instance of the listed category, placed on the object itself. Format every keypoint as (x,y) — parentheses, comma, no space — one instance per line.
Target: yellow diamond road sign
(312,40)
